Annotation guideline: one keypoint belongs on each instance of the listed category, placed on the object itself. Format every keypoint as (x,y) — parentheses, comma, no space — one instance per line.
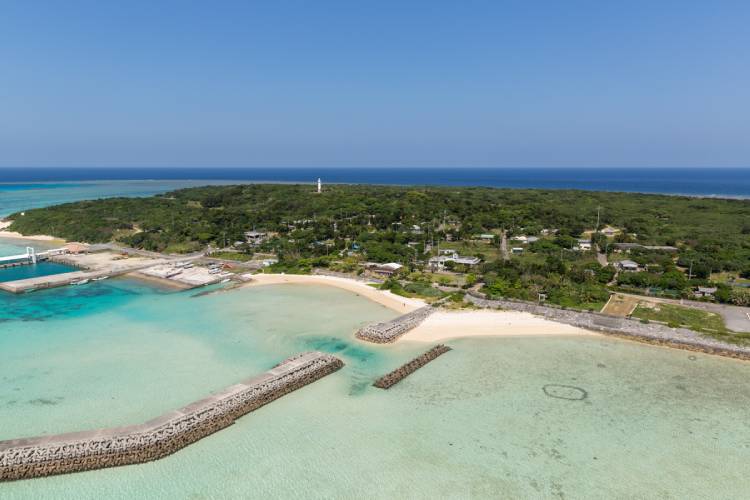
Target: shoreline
(441,325)
(447,325)
(18,236)
(382,297)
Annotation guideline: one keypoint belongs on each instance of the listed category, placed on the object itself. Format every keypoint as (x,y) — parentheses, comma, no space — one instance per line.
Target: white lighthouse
(320,186)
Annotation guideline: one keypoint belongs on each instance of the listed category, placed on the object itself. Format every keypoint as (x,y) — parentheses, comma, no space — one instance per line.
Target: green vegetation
(677,316)
(238,256)
(419,289)
(347,225)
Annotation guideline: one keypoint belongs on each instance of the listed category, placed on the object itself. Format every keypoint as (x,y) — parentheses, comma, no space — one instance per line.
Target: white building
(452,256)
(255,237)
(627,265)
(584,245)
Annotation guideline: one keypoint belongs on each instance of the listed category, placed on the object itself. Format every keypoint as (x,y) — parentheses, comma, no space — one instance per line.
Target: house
(516,250)
(415,229)
(520,238)
(610,232)
(704,291)
(467,261)
(387,270)
(486,237)
(627,247)
(452,256)
(255,237)
(532,239)
(584,245)
(547,232)
(76,248)
(627,265)
(269,262)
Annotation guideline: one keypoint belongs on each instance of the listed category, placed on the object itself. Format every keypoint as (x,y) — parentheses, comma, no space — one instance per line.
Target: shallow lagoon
(551,417)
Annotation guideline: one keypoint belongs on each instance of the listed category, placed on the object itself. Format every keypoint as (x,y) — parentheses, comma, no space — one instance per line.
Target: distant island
(565,247)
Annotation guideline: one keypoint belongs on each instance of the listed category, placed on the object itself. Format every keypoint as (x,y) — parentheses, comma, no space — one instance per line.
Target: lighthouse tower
(320,186)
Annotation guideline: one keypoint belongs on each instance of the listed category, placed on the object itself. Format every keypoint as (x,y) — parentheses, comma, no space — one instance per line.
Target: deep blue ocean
(723,182)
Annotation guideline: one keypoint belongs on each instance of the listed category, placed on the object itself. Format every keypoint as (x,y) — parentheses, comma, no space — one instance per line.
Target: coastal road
(504,246)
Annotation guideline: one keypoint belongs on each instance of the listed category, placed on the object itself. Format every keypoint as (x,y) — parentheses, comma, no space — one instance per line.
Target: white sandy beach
(383,297)
(444,325)
(441,325)
(18,236)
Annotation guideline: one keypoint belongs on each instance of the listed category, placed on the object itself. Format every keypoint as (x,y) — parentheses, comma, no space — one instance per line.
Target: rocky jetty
(389,331)
(397,375)
(157,438)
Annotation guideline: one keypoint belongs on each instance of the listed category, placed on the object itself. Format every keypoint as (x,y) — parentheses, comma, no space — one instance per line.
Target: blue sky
(402,83)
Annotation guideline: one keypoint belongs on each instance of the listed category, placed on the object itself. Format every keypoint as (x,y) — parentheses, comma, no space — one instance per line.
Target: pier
(80,451)
(397,375)
(388,331)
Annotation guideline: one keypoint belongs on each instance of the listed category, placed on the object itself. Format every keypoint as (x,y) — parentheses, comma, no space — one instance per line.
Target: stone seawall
(397,375)
(389,331)
(623,327)
(164,435)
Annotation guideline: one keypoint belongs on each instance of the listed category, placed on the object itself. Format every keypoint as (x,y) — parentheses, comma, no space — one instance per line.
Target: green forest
(403,224)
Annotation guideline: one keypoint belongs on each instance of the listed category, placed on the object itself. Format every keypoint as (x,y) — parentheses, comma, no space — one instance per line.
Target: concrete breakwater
(389,331)
(652,333)
(397,375)
(164,435)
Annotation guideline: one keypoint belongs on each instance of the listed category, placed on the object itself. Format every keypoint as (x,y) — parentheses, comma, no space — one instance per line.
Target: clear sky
(378,83)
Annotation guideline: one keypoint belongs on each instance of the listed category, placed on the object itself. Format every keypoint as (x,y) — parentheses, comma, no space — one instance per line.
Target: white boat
(225,280)
(100,278)
(79,282)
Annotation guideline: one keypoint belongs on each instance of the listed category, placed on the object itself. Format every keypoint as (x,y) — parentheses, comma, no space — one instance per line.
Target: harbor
(76,264)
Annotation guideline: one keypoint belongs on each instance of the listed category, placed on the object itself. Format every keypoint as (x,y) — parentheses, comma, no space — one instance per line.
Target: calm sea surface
(487,420)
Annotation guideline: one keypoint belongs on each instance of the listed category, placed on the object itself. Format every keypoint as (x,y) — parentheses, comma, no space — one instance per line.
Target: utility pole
(690,272)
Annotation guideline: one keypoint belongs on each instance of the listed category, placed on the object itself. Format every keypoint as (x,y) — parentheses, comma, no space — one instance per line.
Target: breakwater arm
(397,375)
(388,331)
(164,435)
(633,329)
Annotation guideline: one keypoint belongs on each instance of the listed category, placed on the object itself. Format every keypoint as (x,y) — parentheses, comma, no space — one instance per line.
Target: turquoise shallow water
(18,197)
(499,418)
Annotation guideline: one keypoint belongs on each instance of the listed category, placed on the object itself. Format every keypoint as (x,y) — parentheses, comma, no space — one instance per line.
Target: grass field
(238,256)
(675,316)
(620,305)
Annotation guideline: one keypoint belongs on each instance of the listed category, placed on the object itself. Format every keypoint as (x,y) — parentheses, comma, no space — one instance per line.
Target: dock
(185,276)
(80,451)
(95,265)
(390,379)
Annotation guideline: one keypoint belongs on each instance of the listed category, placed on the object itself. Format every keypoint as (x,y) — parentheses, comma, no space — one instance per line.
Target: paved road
(735,317)
(504,246)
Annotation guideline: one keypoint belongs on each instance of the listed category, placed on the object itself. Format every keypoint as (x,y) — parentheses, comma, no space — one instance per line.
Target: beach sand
(382,297)
(441,325)
(444,325)
(18,236)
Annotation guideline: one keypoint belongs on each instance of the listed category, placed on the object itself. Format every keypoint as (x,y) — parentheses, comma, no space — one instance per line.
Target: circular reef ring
(569,392)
